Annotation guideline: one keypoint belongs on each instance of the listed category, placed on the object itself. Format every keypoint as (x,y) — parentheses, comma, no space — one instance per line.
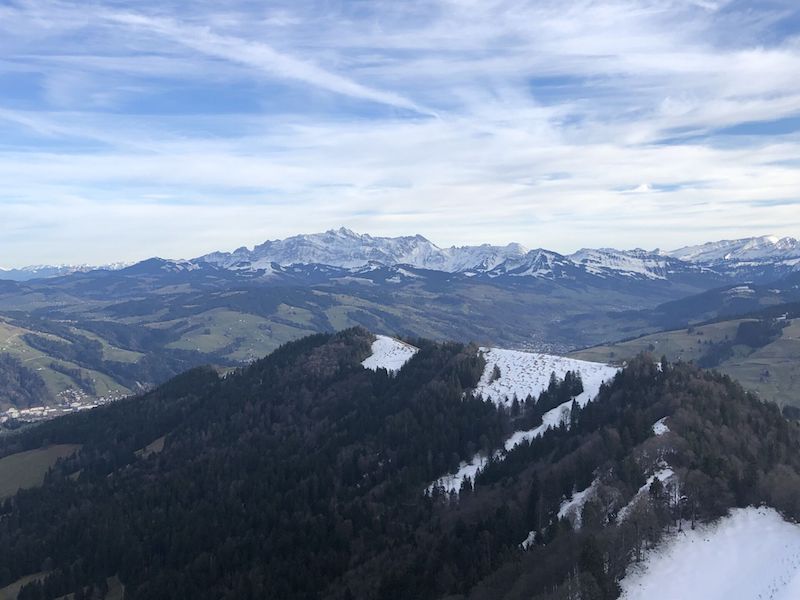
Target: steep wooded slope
(304,476)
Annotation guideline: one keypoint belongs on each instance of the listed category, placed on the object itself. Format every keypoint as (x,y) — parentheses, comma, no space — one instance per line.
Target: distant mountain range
(759,258)
(93,335)
(47,271)
(755,259)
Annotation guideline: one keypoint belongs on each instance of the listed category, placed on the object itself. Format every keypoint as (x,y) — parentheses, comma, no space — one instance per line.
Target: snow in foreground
(389,353)
(523,374)
(751,554)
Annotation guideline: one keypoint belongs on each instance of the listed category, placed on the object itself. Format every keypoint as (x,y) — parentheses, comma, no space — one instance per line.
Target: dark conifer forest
(304,476)
(21,386)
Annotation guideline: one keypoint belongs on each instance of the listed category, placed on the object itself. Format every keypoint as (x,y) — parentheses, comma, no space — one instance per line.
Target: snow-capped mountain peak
(341,248)
(344,248)
(47,271)
(755,259)
(637,263)
(747,249)
(347,249)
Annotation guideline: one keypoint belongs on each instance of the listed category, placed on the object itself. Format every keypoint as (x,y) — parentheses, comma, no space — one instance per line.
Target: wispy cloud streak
(262,57)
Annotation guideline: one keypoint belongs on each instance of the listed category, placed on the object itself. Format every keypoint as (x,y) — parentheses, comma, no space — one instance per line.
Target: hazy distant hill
(761,351)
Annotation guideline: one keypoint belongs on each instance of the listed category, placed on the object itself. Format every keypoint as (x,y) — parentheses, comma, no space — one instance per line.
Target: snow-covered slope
(476,258)
(540,264)
(345,248)
(747,249)
(573,507)
(523,374)
(759,259)
(753,554)
(389,353)
(340,248)
(637,263)
(528,373)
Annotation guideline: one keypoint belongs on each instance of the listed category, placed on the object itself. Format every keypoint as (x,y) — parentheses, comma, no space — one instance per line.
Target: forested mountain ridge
(303,476)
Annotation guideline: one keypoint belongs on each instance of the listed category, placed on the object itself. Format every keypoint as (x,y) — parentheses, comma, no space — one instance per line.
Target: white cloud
(244,124)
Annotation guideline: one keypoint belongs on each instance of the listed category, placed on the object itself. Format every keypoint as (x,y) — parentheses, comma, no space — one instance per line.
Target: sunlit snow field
(523,374)
(753,554)
(389,353)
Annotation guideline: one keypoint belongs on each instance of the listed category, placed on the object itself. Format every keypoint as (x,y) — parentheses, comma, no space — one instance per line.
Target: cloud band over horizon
(139,129)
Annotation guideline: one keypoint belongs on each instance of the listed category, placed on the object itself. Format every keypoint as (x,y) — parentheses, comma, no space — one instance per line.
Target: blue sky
(132,129)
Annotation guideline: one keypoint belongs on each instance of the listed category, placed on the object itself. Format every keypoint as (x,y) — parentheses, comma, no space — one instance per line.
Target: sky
(175,128)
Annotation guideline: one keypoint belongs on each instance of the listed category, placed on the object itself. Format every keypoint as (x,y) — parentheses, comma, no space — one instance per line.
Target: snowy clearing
(660,427)
(389,353)
(523,374)
(452,481)
(528,373)
(752,553)
(528,541)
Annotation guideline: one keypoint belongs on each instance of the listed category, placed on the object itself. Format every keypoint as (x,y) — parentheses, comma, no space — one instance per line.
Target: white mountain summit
(344,248)
(347,249)
(768,247)
(47,271)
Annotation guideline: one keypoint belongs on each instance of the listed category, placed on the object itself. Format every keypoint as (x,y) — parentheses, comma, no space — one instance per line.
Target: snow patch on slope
(467,469)
(664,474)
(753,553)
(629,263)
(389,353)
(523,374)
(660,427)
(528,373)
(529,541)
(573,507)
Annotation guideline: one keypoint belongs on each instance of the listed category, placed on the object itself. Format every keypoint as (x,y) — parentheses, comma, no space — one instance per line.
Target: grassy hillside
(11,591)
(57,374)
(772,371)
(25,470)
(105,333)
